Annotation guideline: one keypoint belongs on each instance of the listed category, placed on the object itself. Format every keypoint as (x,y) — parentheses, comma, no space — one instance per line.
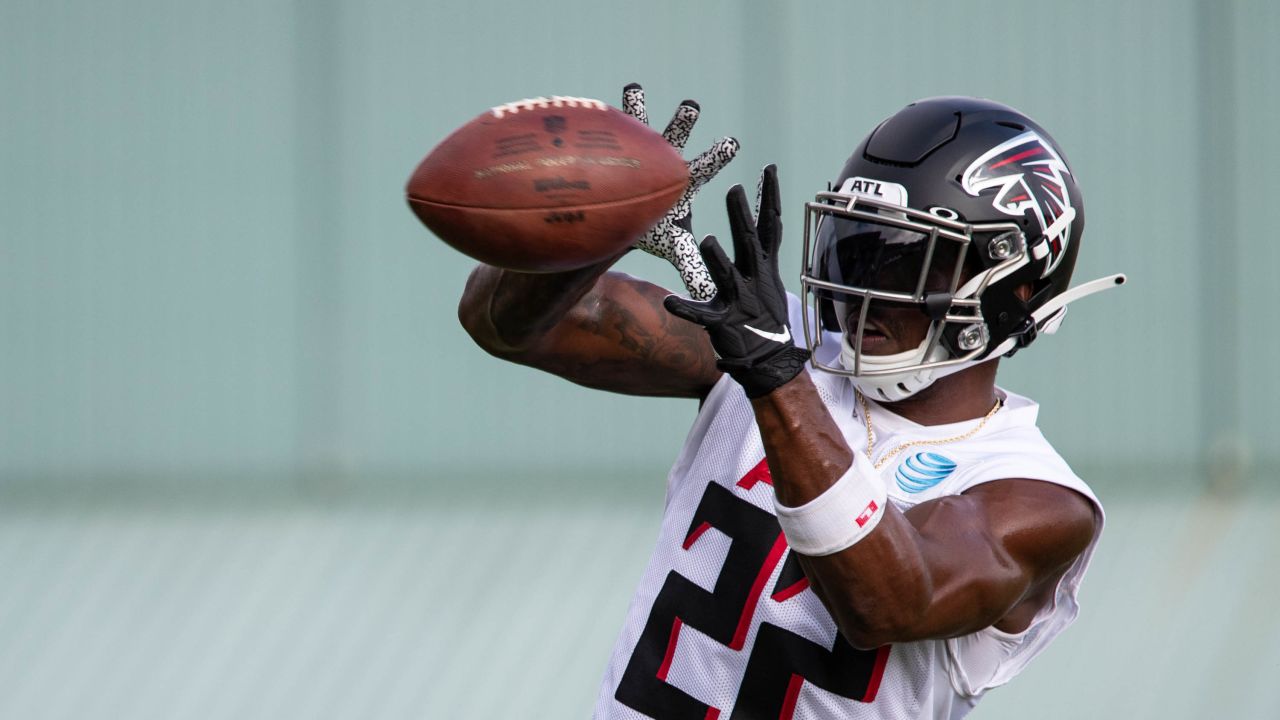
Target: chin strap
(1043,316)
(1048,317)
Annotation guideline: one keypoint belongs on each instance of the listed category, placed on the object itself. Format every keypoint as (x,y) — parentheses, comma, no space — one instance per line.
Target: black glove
(747,318)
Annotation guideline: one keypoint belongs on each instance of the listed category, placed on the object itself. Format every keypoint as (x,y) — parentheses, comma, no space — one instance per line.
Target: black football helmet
(950,205)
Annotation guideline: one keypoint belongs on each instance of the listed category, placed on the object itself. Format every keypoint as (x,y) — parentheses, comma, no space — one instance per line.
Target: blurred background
(251,467)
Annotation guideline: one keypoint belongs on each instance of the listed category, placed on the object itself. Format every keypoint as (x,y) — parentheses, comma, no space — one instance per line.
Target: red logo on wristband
(866,514)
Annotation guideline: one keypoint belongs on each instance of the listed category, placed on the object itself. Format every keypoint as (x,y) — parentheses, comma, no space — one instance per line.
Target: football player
(861,523)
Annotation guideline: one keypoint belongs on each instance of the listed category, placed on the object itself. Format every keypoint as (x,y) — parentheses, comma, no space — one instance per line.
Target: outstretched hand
(672,238)
(747,317)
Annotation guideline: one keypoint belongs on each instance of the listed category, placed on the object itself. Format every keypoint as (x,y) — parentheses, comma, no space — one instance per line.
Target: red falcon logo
(1028,176)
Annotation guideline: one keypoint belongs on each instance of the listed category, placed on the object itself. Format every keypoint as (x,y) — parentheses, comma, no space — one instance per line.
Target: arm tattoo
(653,351)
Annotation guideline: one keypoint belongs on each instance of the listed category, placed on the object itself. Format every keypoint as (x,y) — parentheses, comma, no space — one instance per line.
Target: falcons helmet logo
(1029,177)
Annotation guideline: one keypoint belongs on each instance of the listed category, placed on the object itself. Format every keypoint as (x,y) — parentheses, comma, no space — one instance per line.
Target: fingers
(633,102)
(759,191)
(710,162)
(659,240)
(698,281)
(693,270)
(694,311)
(743,228)
(720,267)
(768,198)
(684,222)
(682,122)
(769,212)
(707,164)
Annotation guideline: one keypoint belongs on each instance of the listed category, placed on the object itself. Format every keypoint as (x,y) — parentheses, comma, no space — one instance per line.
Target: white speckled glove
(672,238)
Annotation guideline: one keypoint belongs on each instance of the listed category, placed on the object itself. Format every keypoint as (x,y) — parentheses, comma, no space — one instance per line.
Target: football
(546,184)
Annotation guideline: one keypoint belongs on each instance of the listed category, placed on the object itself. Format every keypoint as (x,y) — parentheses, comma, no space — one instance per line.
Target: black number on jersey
(780,661)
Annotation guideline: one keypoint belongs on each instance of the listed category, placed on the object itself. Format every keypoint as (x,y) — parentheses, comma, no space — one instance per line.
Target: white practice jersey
(724,624)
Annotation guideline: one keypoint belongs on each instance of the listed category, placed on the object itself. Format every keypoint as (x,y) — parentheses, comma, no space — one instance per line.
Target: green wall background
(234,392)
(209,271)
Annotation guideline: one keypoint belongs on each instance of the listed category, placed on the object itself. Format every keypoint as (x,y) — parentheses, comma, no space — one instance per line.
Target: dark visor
(876,256)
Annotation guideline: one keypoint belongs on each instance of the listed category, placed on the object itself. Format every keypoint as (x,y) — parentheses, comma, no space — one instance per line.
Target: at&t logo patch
(923,470)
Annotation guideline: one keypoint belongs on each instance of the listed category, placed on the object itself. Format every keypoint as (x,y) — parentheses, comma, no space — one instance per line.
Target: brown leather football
(547,184)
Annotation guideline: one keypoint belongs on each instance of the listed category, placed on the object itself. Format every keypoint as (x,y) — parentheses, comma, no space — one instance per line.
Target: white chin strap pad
(900,386)
(894,386)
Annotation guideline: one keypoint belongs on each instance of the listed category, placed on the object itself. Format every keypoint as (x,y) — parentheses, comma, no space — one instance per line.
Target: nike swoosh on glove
(747,317)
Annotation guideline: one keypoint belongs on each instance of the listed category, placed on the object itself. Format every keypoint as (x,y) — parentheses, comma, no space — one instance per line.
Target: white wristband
(841,516)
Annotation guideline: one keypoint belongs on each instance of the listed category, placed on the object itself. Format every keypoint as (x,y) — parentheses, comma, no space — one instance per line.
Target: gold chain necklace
(871,437)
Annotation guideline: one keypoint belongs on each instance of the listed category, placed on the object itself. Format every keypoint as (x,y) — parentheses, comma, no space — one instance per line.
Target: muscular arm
(600,329)
(944,568)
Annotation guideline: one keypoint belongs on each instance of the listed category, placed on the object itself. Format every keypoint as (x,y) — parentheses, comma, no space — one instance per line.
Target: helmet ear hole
(1040,297)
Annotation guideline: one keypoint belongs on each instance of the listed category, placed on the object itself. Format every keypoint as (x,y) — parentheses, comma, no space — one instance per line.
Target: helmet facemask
(864,256)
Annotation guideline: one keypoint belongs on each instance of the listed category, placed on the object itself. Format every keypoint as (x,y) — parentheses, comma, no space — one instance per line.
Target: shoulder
(1041,524)
(1046,531)
(1011,486)
(1030,500)
(1028,535)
